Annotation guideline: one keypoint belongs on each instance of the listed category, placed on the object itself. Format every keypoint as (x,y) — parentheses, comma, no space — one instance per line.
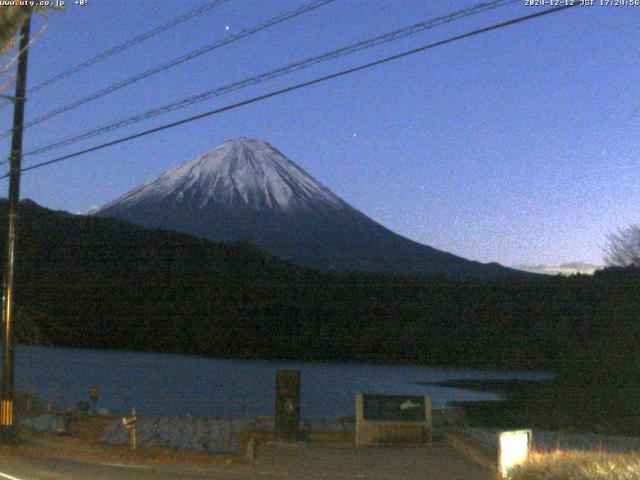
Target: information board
(393,408)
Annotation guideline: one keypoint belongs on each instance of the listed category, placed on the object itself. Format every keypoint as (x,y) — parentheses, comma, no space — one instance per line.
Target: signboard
(513,449)
(288,404)
(393,419)
(394,407)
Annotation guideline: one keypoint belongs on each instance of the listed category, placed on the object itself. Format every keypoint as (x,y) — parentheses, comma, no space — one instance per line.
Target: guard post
(287,405)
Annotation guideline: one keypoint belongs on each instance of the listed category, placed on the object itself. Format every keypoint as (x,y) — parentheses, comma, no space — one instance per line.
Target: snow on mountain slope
(247,190)
(238,173)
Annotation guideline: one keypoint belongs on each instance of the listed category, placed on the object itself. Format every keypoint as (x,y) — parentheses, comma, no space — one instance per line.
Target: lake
(177,385)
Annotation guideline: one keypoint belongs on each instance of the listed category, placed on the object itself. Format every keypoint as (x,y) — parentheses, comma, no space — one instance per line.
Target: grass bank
(576,465)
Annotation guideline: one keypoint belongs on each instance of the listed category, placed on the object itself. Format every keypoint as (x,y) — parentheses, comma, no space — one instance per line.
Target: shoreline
(526,404)
(538,404)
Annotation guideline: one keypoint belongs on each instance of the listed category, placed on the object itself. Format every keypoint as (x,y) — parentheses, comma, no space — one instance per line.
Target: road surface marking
(8,477)
(123,465)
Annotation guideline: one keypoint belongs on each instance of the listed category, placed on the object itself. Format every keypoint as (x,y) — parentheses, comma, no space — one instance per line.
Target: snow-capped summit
(242,173)
(247,190)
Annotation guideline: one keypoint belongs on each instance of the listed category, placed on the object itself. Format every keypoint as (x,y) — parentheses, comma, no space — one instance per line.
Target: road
(275,461)
(19,467)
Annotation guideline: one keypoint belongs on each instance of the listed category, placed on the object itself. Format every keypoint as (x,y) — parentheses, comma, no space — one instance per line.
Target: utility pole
(7,428)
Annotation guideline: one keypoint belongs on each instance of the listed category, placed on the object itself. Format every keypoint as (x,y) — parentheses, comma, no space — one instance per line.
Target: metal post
(7,430)
(132,432)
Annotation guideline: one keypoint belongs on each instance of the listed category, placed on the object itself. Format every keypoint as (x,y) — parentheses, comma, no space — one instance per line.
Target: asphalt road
(275,461)
(22,468)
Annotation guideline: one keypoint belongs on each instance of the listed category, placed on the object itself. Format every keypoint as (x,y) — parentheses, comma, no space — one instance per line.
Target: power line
(128,44)
(279,72)
(124,46)
(177,61)
(299,86)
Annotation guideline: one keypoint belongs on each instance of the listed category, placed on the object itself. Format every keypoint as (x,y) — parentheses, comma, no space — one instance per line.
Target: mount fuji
(246,190)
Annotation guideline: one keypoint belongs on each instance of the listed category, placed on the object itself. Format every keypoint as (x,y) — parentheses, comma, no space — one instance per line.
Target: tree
(11,20)
(623,247)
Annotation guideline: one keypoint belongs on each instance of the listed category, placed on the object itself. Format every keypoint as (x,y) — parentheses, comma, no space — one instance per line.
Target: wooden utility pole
(7,428)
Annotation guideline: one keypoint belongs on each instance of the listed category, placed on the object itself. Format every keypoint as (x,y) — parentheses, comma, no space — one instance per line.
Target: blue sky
(518,146)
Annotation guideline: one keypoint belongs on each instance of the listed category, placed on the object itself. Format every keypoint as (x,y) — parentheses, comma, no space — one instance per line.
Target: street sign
(129,422)
(93,395)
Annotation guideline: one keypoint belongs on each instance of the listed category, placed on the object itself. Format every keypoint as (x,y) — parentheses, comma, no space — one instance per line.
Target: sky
(518,146)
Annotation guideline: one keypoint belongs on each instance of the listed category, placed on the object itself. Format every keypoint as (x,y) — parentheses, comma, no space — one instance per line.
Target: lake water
(164,384)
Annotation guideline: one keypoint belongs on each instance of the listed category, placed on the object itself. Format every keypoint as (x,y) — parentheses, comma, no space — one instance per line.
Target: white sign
(513,449)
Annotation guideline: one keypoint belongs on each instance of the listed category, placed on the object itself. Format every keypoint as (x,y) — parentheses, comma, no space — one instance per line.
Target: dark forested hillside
(100,283)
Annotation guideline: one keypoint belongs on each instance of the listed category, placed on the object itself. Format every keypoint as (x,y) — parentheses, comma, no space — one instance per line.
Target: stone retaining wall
(47,423)
(200,434)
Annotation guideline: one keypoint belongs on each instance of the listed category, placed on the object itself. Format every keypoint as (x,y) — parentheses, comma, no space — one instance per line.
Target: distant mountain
(246,190)
(570,268)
